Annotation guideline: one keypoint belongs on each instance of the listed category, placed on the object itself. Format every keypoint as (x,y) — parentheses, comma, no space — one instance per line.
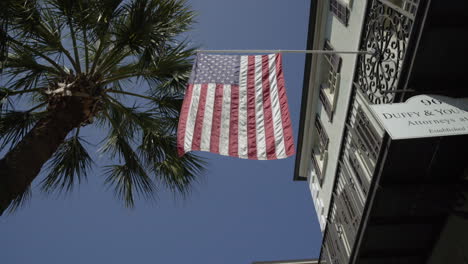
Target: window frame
(329,86)
(340,10)
(319,153)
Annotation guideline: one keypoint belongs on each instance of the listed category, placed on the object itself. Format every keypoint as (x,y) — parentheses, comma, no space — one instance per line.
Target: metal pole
(290,51)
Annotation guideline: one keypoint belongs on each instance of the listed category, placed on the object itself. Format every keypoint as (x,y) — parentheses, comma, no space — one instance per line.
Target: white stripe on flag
(276,109)
(225,115)
(259,122)
(208,118)
(243,107)
(192,116)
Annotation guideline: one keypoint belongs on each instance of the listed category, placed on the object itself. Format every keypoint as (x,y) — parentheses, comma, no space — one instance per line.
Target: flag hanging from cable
(236,106)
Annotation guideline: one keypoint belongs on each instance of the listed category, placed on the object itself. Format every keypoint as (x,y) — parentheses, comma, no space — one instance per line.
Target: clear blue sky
(241,211)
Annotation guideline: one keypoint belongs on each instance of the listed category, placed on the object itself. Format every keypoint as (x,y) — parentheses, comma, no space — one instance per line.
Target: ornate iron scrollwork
(386,33)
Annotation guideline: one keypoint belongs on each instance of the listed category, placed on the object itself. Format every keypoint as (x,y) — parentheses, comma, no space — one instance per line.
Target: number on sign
(431,102)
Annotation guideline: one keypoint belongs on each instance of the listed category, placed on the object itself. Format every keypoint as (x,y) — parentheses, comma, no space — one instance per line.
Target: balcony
(387,29)
(392,200)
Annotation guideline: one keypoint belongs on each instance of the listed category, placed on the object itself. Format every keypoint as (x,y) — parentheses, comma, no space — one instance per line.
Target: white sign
(424,116)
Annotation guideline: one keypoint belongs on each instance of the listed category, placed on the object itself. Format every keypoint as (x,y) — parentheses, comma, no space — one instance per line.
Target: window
(330,80)
(340,10)
(319,149)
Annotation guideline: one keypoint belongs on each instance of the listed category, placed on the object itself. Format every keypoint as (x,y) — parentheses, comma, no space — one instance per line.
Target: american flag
(236,106)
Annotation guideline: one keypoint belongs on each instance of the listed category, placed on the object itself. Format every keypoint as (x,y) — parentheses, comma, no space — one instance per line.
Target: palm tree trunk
(20,166)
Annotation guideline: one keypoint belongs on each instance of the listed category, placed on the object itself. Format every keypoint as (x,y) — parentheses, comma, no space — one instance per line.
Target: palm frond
(27,29)
(174,71)
(5,102)
(6,94)
(162,106)
(71,11)
(131,119)
(168,109)
(160,154)
(3,40)
(37,25)
(69,164)
(179,173)
(7,14)
(36,50)
(14,125)
(129,177)
(127,182)
(147,29)
(100,28)
(96,16)
(169,74)
(23,63)
(154,146)
(21,200)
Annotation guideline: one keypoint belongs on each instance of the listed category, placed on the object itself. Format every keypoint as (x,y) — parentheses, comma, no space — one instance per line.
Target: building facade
(380,200)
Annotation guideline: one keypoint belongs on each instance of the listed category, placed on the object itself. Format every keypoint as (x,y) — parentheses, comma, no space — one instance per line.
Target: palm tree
(73,63)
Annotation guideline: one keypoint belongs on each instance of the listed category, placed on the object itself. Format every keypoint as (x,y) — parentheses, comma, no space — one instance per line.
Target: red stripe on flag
(286,120)
(251,120)
(267,112)
(234,120)
(183,120)
(216,123)
(197,132)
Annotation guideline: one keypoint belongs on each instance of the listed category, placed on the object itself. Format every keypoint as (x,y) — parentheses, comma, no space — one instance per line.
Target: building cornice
(305,90)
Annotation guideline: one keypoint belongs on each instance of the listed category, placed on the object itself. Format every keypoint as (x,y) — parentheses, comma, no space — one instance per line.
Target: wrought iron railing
(386,32)
(356,169)
(366,139)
